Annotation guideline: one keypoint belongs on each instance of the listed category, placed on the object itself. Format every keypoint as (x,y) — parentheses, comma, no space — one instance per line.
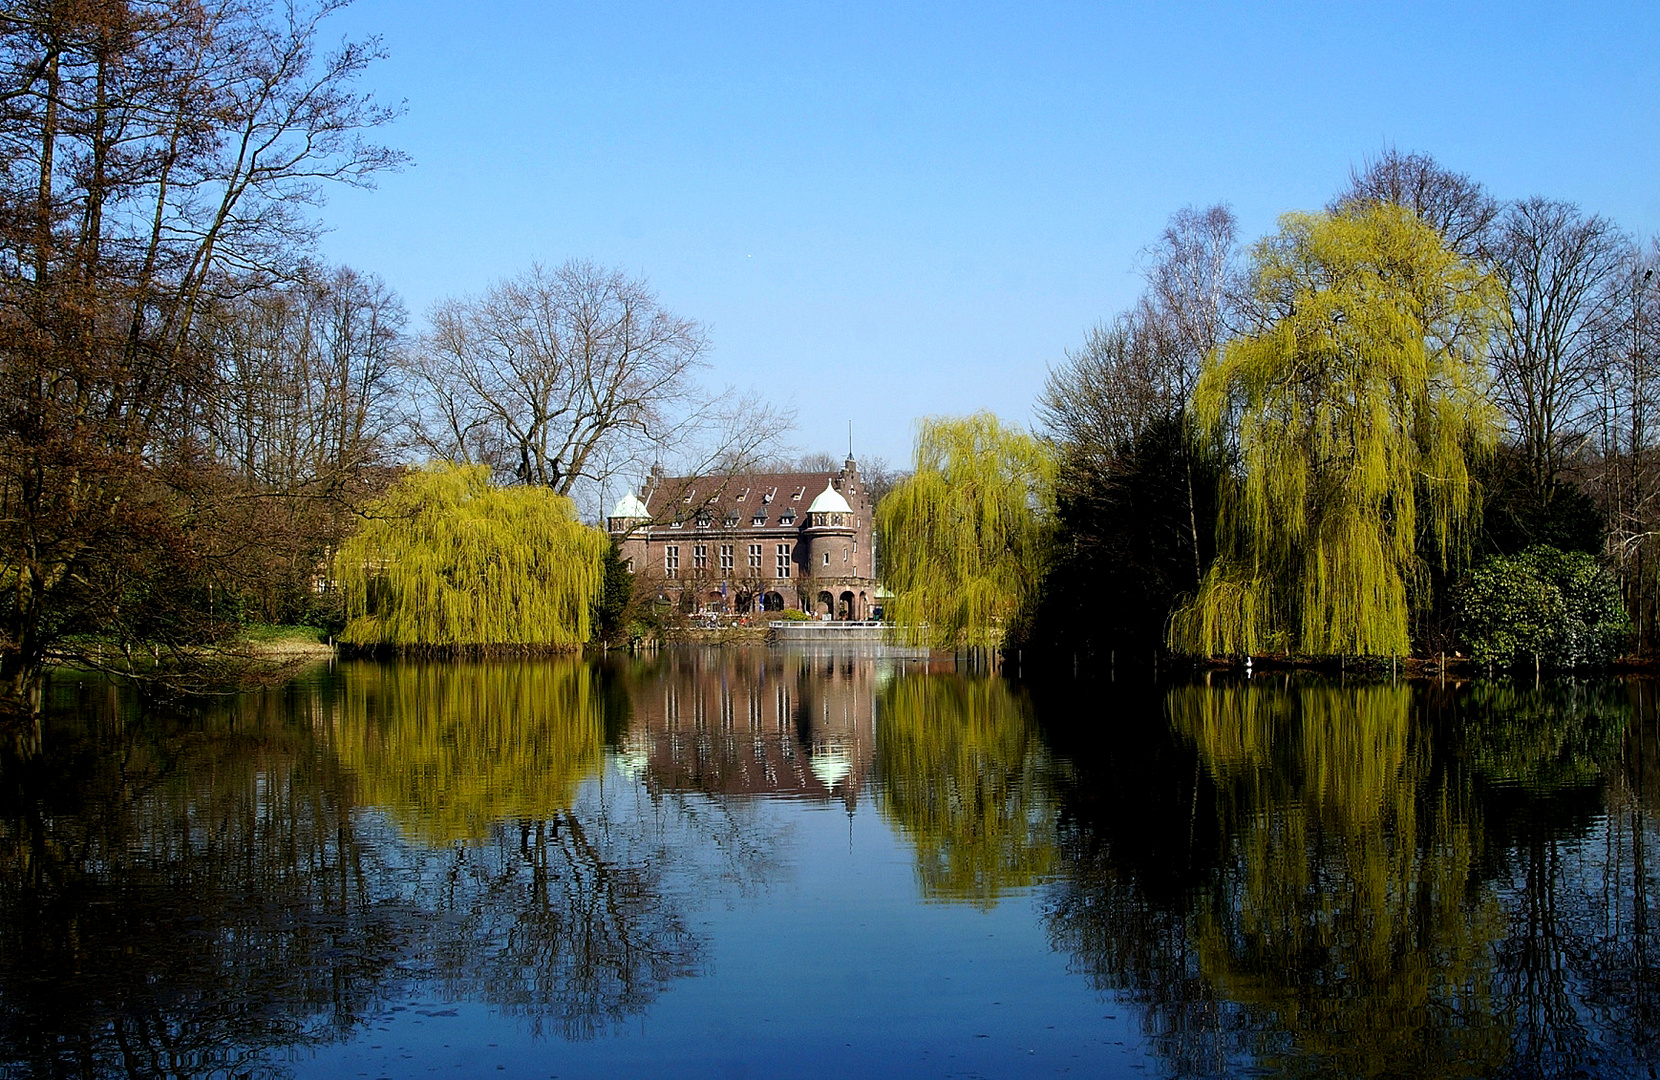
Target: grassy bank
(286,642)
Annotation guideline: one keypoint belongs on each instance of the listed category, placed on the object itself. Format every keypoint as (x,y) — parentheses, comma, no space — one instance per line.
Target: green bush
(795,615)
(1558,606)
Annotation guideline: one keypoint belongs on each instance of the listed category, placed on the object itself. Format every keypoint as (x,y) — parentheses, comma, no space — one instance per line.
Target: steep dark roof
(738,498)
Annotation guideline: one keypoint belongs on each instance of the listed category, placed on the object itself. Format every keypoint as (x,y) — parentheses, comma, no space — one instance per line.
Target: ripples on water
(758,863)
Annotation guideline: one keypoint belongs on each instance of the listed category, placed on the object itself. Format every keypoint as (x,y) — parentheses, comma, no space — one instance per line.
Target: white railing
(827,626)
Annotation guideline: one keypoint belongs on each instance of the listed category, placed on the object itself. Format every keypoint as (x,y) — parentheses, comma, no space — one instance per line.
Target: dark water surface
(752,863)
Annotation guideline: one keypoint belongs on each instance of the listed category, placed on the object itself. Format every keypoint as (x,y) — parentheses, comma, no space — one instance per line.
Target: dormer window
(703,521)
(788,518)
(676,524)
(732,519)
(758,519)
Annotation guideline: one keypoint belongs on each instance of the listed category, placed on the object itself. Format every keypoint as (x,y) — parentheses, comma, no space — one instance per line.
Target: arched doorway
(773,602)
(846,609)
(826,604)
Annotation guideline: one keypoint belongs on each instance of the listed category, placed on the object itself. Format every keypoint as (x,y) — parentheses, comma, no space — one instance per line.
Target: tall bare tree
(1623,468)
(572,376)
(1451,203)
(1192,288)
(1561,269)
(307,378)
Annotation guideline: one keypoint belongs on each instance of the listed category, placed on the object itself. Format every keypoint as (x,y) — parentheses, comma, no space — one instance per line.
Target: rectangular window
(700,556)
(783,560)
(755,557)
(671,560)
(726,558)
(826,558)
(629,565)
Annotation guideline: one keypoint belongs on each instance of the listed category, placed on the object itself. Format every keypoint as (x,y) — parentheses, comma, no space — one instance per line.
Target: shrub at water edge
(1557,606)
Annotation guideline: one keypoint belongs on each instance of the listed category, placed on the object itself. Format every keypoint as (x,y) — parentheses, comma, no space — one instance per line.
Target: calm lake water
(753,863)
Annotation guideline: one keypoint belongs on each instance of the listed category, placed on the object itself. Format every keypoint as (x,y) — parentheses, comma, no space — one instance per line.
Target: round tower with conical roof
(829,535)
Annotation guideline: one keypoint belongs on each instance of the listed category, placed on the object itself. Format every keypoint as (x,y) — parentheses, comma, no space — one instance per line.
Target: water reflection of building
(755,722)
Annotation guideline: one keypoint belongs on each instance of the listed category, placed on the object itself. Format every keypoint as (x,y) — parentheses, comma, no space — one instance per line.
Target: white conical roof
(630,507)
(830,501)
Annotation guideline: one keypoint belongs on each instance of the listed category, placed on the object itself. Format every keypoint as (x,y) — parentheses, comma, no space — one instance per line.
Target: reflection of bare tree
(558,901)
(180,899)
(1132,846)
(565,921)
(194,897)
(1565,764)
(1616,945)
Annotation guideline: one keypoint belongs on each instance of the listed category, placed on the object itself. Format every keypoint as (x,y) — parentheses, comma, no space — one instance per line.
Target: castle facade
(754,542)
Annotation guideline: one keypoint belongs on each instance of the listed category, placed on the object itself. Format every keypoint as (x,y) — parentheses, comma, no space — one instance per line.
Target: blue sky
(886,211)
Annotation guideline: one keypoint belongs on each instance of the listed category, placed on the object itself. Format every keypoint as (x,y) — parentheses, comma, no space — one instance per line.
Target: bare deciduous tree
(572,376)
(1191,288)
(1140,368)
(1451,203)
(1560,268)
(307,378)
(1109,391)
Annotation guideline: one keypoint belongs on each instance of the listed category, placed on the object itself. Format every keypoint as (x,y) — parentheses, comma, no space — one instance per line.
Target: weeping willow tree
(1354,414)
(448,560)
(964,540)
(964,777)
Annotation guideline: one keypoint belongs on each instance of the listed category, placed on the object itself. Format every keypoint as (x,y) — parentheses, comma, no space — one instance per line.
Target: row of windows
(758,520)
(700,559)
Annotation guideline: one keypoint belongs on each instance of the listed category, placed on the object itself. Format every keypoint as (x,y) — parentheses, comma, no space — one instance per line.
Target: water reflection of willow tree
(556,905)
(1348,913)
(964,777)
(448,750)
(1371,880)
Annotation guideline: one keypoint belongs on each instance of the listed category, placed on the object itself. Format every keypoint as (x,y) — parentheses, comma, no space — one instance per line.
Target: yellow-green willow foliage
(965,538)
(1348,917)
(962,770)
(450,749)
(448,559)
(1353,413)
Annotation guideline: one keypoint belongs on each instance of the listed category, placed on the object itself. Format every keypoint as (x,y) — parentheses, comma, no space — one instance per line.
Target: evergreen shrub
(1558,606)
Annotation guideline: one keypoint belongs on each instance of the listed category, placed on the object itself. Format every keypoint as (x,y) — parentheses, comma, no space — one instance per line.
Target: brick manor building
(754,542)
